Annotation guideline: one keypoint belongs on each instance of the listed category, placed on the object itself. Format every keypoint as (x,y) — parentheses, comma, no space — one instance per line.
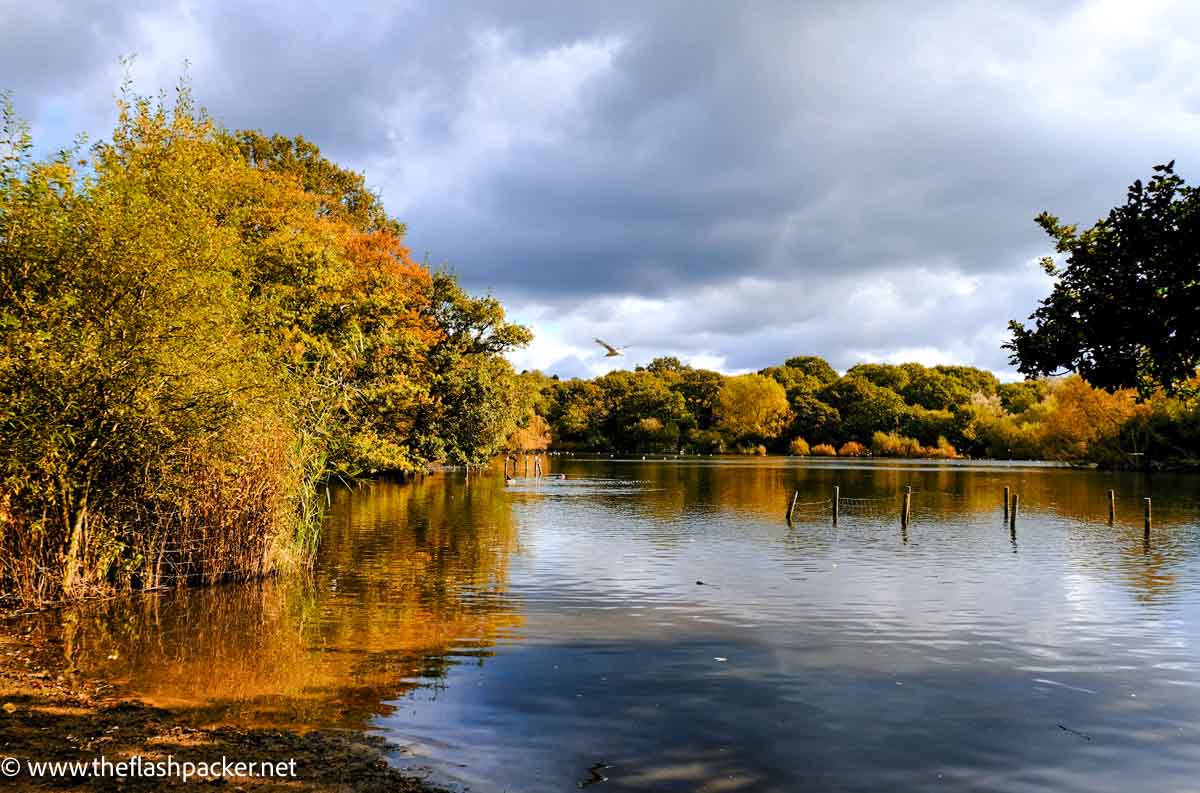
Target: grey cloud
(806,148)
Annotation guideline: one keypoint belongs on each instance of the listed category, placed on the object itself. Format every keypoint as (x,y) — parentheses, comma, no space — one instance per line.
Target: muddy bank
(47,714)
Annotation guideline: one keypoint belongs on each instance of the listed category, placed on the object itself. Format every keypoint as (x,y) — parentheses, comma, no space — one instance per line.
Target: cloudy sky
(729,182)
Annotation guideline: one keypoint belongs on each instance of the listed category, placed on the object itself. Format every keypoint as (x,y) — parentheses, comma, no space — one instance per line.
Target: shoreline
(47,714)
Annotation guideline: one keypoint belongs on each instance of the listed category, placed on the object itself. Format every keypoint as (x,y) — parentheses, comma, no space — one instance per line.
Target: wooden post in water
(525,457)
(1012,517)
(1006,496)
(1148,521)
(792,505)
(1112,507)
(907,509)
(837,498)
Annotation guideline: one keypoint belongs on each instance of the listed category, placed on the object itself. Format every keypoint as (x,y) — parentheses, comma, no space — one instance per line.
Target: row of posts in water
(537,466)
(1012,504)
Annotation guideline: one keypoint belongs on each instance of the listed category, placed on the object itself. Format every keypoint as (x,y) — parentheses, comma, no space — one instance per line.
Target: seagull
(612,351)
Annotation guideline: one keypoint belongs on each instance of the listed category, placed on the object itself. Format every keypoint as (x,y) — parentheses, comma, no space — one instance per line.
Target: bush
(853,449)
(892,444)
(798,448)
(944,450)
(824,450)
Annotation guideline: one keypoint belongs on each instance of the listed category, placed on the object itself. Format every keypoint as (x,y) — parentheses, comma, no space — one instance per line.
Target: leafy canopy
(1125,309)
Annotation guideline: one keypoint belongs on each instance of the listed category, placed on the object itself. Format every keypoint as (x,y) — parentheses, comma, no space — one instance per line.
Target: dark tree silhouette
(1125,311)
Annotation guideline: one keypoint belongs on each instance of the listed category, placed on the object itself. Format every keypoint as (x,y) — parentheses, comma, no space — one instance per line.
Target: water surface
(657,625)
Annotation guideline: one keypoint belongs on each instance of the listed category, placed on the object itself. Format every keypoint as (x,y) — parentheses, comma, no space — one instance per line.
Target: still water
(657,626)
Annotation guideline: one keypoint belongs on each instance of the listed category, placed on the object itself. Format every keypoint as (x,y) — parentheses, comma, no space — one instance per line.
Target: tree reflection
(413,578)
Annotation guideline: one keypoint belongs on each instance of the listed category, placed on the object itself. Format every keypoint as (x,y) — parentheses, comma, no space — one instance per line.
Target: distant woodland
(804,407)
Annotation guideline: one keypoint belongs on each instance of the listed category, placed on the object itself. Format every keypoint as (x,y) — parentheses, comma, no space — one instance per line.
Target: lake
(658,626)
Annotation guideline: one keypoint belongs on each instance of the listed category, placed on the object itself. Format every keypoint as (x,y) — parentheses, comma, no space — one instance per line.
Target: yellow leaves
(753,406)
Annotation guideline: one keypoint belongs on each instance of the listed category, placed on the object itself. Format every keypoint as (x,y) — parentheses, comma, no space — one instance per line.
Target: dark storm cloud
(758,179)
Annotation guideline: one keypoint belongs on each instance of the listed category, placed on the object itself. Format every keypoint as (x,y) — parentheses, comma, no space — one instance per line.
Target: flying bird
(612,351)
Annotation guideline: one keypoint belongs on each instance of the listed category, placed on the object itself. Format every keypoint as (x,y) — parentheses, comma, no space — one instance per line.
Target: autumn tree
(196,328)
(753,408)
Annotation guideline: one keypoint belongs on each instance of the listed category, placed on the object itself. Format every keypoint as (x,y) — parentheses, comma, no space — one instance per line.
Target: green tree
(933,390)
(813,366)
(632,397)
(1021,396)
(795,382)
(886,375)
(814,420)
(970,378)
(1125,308)
(700,389)
(864,407)
(475,401)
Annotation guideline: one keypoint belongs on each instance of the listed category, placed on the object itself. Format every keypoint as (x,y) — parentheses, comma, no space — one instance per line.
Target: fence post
(1148,516)
(1112,507)
(1012,518)
(1006,497)
(904,514)
(837,498)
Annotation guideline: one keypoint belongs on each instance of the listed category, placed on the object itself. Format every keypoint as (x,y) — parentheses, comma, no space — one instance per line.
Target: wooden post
(525,455)
(906,511)
(1148,521)
(1006,497)
(837,498)
(1112,507)
(792,506)
(1012,517)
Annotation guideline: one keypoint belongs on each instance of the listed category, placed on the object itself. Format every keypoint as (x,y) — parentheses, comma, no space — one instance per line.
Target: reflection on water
(412,580)
(659,625)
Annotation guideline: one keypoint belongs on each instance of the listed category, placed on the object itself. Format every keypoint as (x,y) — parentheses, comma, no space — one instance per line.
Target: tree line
(805,407)
(199,328)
